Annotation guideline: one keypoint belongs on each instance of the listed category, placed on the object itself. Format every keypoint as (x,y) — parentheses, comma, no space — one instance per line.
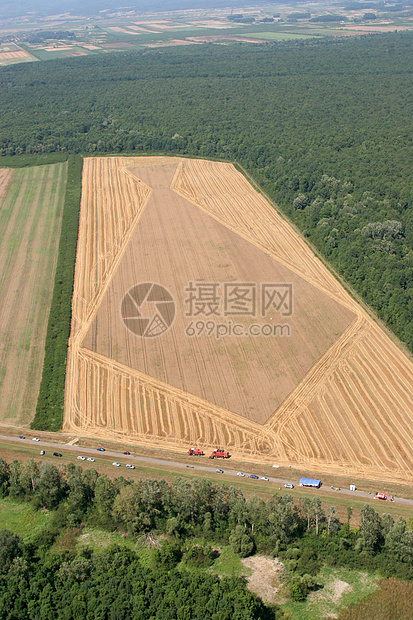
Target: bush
(292,553)
(198,556)
(241,542)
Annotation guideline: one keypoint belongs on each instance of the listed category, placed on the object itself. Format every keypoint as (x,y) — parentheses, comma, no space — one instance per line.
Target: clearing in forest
(31,202)
(172,255)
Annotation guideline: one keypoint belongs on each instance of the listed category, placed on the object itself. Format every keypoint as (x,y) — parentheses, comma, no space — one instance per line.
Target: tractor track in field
(348,408)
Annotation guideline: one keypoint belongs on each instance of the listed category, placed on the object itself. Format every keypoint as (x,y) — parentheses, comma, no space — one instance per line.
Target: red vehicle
(380,496)
(195,452)
(219,454)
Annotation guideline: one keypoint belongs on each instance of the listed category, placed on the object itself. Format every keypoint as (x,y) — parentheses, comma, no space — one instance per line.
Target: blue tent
(309,482)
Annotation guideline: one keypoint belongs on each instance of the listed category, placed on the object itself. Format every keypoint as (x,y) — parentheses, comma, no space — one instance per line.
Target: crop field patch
(172,254)
(30,215)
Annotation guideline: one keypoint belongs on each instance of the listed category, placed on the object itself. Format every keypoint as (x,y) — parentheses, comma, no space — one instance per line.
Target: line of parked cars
(253,476)
(287,485)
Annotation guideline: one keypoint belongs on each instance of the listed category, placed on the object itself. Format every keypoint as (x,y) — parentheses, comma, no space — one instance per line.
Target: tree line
(331,124)
(194,517)
(49,408)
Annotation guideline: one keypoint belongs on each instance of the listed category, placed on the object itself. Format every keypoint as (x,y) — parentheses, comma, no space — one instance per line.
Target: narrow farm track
(224,193)
(342,391)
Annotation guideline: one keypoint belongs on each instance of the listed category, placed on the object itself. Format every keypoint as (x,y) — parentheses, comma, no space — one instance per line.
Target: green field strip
(279,36)
(29,227)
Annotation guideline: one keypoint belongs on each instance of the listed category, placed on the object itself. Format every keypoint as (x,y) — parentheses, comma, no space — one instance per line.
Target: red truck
(219,454)
(195,452)
(380,496)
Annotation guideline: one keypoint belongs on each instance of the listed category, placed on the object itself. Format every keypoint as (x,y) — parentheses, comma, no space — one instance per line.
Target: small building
(309,482)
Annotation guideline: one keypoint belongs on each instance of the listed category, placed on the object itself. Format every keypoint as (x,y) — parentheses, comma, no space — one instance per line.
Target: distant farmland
(333,393)
(30,214)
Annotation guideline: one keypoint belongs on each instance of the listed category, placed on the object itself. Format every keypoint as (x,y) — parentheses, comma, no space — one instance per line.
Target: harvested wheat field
(200,317)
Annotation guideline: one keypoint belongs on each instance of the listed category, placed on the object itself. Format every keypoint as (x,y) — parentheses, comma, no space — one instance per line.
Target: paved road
(221,464)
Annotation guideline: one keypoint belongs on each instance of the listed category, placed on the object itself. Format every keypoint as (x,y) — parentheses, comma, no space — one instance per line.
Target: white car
(116,464)
(239,473)
(264,478)
(41,452)
(128,466)
(81,458)
(91,459)
(35,439)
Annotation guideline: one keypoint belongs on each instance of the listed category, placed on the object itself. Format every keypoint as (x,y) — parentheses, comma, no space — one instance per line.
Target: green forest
(324,127)
(183,525)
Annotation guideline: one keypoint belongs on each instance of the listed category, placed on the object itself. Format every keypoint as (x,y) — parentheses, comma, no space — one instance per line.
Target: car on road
(41,452)
(22,437)
(239,473)
(130,466)
(81,458)
(219,471)
(254,476)
(116,464)
(288,485)
(100,449)
(56,454)
(126,452)
(91,459)
(189,466)
(264,478)
(35,439)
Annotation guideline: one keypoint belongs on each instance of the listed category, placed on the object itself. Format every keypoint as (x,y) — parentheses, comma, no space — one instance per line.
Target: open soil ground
(30,217)
(336,395)
(266,576)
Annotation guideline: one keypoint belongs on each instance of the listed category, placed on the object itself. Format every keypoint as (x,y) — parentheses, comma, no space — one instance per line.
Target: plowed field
(308,377)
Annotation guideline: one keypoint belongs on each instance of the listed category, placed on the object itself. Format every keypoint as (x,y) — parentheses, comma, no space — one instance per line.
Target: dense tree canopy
(194,518)
(324,126)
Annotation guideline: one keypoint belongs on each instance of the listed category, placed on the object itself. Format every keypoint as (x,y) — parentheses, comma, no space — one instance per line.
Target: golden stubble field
(329,390)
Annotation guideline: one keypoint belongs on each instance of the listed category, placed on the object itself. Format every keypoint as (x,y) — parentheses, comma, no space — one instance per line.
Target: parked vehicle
(220,454)
(35,439)
(289,485)
(116,464)
(100,449)
(309,482)
(264,478)
(22,437)
(239,473)
(219,471)
(56,454)
(42,452)
(254,476)
(81,458)
(380,496)
(128,466)
(127,453)
(91,459)
(195,452)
